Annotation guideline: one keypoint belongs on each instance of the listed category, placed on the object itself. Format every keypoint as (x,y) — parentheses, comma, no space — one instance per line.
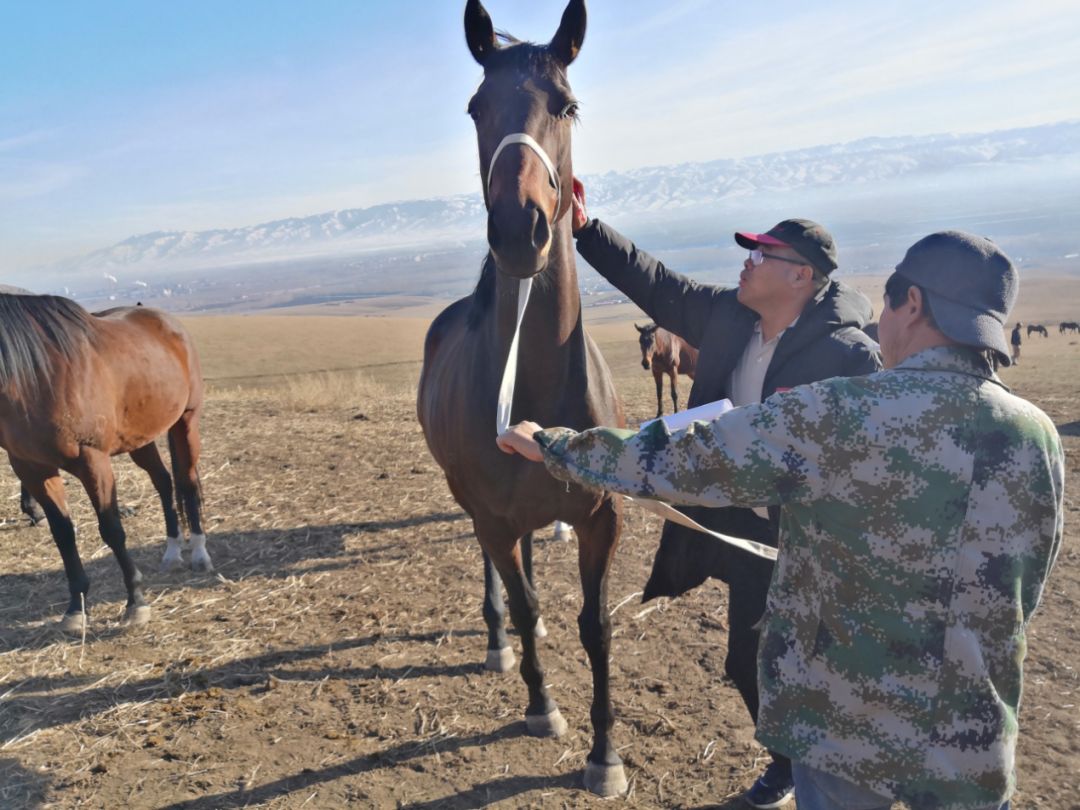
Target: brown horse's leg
(185,445)
(149,459)
(675,390)
(597,539)
(96,473)
(500,655)
(30,507)
(542,717)
(658,376)
(540,631)
(47,487)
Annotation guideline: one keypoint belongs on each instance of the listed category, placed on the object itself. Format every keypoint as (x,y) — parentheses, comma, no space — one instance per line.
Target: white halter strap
(527,140)
(506,387)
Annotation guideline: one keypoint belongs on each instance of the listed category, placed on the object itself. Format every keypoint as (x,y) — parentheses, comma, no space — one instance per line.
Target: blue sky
(119,118)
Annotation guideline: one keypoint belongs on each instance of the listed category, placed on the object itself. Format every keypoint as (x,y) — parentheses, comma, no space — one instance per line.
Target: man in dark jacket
(786,324)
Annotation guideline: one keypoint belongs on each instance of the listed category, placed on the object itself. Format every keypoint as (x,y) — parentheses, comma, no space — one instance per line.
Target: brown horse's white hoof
(200,558)
(499,660)
(73,623)
(540,631)
(563,531)
(551,724)
(172,558)
(605,780)
(136,615)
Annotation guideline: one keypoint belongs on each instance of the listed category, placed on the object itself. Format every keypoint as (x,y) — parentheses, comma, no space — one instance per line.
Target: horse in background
(666,353)
(76,389)
(524,111)
(1068,326)
(1034,328)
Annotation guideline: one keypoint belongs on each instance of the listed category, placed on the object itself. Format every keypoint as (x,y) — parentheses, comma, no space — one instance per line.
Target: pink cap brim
(758,239)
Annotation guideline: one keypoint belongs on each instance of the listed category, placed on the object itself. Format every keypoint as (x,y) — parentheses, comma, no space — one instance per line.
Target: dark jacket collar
(835,306)
(956,359)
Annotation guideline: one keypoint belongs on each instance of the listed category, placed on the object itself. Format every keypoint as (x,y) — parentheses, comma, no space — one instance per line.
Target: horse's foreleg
(30,507)
(185,445)
(597,540)
(149,459)
(527,564)
(96,473)
(47,488)
(658,376)
(500,655)
(675,391)
(542,716)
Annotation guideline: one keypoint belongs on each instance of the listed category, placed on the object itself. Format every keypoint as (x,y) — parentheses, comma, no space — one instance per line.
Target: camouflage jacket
(921,516)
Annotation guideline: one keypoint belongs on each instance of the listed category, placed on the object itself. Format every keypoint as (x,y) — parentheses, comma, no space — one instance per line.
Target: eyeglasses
(758,257)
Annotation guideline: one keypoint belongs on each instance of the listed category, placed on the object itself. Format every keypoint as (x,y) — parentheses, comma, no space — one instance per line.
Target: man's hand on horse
(579,216)
(519,439)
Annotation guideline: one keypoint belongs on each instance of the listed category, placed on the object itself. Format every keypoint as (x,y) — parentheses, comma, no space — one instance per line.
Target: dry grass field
(333,657)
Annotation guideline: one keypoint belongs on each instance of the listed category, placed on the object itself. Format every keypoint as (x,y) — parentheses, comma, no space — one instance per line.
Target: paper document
(702,413)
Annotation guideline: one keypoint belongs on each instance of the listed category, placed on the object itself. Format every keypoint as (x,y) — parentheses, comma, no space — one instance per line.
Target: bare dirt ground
(333,658)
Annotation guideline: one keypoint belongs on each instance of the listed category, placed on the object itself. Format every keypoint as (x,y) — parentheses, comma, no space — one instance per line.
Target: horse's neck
(553,315)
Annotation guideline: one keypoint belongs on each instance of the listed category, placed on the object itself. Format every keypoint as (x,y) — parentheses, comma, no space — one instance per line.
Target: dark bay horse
(562,379)
(1033,328)
(77,388)
(666,353)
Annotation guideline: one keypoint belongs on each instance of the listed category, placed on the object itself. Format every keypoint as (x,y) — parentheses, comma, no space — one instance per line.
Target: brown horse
(666,353)
(77,388)
(1034,328)
(562,378)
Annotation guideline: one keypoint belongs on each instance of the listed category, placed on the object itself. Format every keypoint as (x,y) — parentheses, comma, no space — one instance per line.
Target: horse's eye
(569,111)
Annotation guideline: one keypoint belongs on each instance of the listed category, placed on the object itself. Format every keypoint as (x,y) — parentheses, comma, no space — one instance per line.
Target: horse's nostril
(541,233)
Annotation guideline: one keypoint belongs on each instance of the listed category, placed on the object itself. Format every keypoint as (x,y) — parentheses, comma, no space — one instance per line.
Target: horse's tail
(177,491)
(176,483)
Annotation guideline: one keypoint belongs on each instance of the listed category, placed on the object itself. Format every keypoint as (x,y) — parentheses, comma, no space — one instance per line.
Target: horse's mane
(34,331)
(483,294)
(524,57)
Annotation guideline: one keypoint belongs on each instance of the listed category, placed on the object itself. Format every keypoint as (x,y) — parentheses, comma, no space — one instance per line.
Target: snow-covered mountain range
(871,163)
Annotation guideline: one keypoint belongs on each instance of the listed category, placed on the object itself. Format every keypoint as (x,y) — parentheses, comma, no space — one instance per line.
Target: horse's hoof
(540,631)
(137,615)
(73,623)
(499,660)
(605,780)
(203,566)
(172,558)
(551,724)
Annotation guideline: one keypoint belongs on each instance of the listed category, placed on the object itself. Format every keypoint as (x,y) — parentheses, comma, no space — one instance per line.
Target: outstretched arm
(674,301)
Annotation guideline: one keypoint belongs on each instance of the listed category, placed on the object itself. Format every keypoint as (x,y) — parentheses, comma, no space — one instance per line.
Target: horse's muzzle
(520,239)
(645,364)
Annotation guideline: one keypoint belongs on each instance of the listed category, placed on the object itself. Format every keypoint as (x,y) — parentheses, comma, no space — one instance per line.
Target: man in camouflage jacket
(921,516)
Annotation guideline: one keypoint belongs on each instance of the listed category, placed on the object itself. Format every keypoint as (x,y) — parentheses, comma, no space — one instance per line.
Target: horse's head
(647,341)
(527,180)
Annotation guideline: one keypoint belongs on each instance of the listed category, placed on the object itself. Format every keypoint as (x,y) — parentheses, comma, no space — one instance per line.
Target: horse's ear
(640,328)
(479,32)
(567,40)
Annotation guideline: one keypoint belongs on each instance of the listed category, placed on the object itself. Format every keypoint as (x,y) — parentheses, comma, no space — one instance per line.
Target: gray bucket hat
(970,285)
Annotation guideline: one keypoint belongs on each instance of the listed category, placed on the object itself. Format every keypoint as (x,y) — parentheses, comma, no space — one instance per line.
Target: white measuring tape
(506,386)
